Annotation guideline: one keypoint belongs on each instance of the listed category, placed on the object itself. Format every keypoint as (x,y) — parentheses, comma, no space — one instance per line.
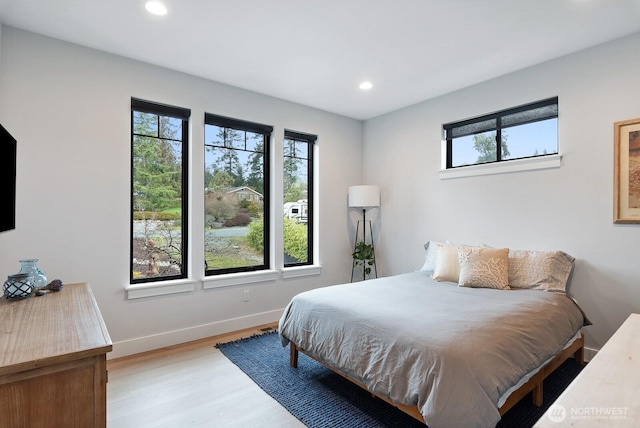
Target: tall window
(298,198)
(521,132)
(159,148)
(236,195)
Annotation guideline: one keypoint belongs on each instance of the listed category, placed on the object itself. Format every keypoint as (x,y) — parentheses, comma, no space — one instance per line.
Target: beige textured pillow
(540,270)
(482,267)
(447,267)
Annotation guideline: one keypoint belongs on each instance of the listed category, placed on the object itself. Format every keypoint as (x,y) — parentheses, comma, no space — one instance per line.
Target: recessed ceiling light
(156,8)
(366,85)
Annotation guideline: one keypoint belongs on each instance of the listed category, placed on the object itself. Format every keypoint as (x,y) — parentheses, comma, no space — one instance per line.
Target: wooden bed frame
(576,349)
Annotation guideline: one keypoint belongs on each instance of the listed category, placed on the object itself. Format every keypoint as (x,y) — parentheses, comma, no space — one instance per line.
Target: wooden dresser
(53,368)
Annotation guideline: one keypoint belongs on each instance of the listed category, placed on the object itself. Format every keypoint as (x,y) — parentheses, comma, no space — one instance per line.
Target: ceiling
(316,53)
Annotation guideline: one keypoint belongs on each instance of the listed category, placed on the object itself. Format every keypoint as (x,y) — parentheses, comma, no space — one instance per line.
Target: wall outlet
(245,295)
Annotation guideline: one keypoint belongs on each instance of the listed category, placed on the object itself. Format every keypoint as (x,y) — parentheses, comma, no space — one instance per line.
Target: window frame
(184,114)
(266,131)
(449,130)
(310,140)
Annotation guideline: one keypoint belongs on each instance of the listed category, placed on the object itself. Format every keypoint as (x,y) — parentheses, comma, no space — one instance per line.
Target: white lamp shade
(364,196)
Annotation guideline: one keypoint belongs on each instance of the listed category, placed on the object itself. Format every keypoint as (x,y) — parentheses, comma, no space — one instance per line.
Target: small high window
(526,131)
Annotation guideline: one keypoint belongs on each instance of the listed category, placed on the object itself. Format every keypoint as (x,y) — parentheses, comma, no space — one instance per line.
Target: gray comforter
(452,351)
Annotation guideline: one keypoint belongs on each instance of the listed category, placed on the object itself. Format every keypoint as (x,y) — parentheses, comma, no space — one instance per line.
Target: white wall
(568,209)
(69,108)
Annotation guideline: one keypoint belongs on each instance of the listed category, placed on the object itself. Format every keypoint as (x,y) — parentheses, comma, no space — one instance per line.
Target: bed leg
(537,395)
(579,356)
(293,355)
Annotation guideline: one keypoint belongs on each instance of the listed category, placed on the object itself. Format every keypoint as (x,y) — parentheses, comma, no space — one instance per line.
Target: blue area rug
(320,398)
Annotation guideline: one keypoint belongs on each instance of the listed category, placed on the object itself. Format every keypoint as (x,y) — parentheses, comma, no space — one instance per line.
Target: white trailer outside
(297,210)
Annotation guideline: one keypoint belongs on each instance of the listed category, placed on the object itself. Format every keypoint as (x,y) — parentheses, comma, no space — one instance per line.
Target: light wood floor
(190,385)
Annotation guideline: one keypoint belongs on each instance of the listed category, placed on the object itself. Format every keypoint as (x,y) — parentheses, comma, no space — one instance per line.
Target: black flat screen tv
(8,155)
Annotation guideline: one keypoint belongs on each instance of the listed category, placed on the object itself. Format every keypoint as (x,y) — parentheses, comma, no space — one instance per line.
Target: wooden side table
(53,369)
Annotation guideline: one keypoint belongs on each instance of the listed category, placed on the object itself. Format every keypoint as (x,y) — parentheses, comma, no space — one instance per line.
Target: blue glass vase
(28,266)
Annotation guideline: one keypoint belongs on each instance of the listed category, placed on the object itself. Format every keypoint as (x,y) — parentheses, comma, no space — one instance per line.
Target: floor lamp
(364,197)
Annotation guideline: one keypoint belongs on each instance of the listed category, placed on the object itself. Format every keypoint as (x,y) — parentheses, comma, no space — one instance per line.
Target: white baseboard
(589,353)
(176,337)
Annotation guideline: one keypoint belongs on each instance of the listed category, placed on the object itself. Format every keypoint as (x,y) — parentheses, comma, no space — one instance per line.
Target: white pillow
(430,250)
(482,267)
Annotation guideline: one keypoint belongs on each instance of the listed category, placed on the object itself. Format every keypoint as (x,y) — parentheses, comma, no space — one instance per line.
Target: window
(298,198)
(159,148)
(521,132)
(236,236)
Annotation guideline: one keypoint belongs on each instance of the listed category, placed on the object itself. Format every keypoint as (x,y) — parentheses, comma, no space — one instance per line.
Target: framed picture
(626,169)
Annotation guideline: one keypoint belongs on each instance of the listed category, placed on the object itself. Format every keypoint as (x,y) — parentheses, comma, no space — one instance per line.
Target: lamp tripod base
(364,254)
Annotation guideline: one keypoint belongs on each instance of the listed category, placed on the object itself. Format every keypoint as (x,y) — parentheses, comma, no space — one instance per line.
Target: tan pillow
(482,267)
(540,270)
(447,267)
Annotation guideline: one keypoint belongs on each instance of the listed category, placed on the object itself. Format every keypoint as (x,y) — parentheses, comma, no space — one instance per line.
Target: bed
(448,355)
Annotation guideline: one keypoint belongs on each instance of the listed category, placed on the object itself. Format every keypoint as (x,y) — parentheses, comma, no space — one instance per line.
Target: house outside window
(236,171)
(159,204)
(526,131)
(298,200)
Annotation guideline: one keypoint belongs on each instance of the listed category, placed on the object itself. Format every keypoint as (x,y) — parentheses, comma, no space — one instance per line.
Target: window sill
(151,289)
(229,280)
(300,271)
(517,165)
(164,288)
